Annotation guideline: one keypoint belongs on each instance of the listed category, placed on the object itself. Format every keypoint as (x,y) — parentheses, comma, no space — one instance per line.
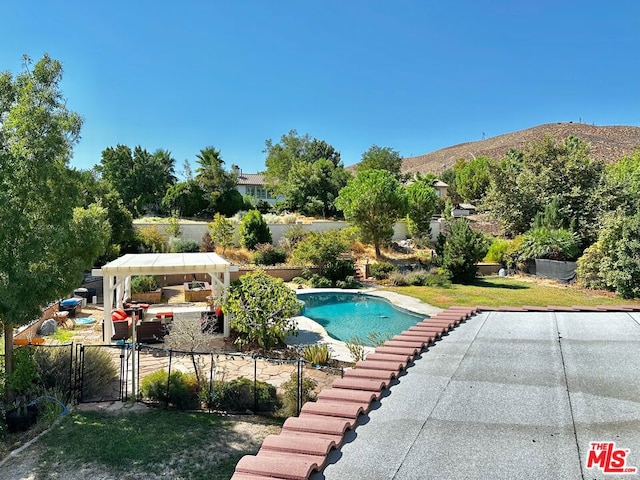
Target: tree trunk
(8,356)
(377,245)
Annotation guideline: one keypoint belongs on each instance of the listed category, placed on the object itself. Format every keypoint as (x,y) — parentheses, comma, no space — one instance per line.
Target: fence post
(80,374)
(210,395)
(169,378)
(137,395)
(255,384)
(299,388)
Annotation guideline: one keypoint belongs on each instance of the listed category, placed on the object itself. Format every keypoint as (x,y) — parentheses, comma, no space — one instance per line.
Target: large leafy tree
(93,190)
(612,261)
(321,249)
(155,173)
(261,309)
(307,171)
(381,158)
(212,176)
(373,201)
(472,178)
(45,241)
(620,187)
(524,182)
(313,187)
(422,202)
(140,177)
(188,198)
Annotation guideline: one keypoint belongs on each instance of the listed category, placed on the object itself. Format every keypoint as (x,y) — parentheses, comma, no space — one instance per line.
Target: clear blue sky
(414,75)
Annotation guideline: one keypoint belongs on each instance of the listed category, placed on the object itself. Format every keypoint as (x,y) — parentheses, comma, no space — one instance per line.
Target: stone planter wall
(148,297)
(196,295)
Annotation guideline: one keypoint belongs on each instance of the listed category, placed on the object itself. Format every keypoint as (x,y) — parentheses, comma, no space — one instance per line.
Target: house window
(259,193)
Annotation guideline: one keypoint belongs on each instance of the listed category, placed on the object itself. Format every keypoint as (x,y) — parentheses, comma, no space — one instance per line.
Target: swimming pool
(346,315)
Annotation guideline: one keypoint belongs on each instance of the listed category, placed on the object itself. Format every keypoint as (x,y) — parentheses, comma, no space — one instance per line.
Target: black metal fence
(79,373)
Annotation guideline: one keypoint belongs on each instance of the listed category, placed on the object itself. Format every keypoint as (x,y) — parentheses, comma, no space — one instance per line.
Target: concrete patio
(506,395)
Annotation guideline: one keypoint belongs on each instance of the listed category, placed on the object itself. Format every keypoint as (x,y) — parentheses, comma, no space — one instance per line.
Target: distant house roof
(250,179)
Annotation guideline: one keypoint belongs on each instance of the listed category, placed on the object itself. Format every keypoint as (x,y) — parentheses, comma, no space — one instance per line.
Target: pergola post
(226,331)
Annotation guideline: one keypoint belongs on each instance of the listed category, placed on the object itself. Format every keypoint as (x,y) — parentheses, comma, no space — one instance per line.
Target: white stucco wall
(195,231)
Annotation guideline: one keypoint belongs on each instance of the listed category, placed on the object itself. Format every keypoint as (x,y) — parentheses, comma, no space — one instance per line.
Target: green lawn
(158,442)
(501,291)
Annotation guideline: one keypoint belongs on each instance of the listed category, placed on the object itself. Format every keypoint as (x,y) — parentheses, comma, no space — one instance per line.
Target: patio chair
(121,329)
(152,331)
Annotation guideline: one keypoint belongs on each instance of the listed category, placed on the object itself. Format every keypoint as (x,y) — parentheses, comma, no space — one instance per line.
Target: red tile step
(462,313)
(421,333)
(486,308)
(533,308)
(284,467)
(471,310)
(435,329)
(438,323)
(388,365)
(555,308)
(307,445)
(252,476)
(333,409)
(391,357)
(368,384)
(364,373)
(424,335)
(411,352)
(317,424)
(618,308)
(318,460)
(588,309)
(350,422)
(426,338)
(454,316)
(361,397)
(335,438)
(405,342)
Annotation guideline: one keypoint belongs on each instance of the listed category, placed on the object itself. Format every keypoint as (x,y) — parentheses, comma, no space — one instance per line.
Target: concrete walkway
(506,396)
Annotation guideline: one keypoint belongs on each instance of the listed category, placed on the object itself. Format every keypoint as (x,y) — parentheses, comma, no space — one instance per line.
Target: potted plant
(21,415)
(144,288)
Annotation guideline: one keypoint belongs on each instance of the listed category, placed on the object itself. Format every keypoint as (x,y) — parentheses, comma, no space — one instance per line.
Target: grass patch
(63,335)
(177,444)
(501,291)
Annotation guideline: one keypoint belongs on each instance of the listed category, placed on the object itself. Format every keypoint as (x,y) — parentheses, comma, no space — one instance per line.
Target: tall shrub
(253,230)
(261,308)
(463,248)
(612,262)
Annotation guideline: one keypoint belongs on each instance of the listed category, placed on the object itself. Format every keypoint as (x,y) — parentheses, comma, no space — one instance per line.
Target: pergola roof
(166,263)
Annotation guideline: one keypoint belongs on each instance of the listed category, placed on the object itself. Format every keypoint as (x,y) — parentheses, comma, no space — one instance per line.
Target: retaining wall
(195,231)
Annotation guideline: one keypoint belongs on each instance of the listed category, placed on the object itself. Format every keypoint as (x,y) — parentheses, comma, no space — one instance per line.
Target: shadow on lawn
(484,283)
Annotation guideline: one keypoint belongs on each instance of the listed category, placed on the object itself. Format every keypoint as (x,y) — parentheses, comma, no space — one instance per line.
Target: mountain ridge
(609,143)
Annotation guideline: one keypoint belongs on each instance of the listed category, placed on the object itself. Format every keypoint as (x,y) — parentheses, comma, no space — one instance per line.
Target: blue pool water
(345,315)
(85,321)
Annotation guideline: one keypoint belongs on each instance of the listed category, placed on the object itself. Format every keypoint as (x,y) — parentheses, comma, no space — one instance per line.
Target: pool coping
(311,332)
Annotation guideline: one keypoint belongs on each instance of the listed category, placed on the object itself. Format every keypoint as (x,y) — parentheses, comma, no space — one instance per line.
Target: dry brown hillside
(607,143)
